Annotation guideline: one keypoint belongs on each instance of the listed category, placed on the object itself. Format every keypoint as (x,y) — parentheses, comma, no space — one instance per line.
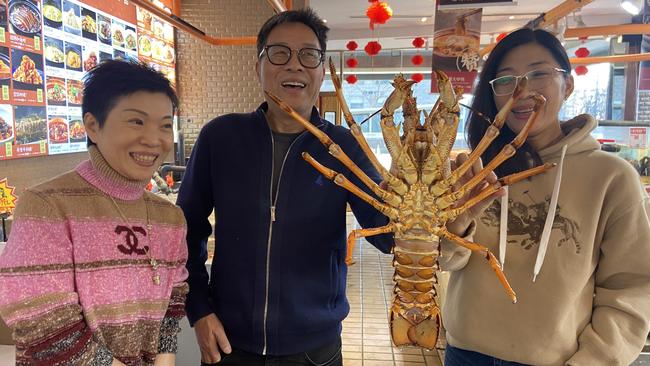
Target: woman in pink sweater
(94,270)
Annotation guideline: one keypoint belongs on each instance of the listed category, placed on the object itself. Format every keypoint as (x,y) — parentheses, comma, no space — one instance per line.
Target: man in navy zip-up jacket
(278,278)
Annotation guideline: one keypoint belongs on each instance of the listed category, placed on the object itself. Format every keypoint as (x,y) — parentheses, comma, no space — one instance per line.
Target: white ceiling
(347,20)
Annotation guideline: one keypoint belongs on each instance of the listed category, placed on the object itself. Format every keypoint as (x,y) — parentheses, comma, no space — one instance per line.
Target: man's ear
(258,70)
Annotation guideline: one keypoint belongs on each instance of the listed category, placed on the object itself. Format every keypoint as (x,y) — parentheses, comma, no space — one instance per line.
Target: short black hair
(111,80)
(306,16)
(484,99)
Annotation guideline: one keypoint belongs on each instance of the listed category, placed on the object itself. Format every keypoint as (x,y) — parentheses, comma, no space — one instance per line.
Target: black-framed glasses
(279,54)
(537,79)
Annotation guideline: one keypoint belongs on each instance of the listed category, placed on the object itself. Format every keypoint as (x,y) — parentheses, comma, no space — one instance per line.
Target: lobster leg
(492,261)
(490,134)
(505,153)
(336,151)
(358,135)
(362,233)
(452,213)
(341,180)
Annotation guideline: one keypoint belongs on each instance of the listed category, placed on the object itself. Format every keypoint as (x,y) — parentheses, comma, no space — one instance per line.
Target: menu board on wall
(46,47)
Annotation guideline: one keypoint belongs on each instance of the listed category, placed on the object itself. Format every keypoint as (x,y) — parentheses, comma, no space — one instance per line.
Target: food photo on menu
(119,55)
(6,123)
(71,18)
(24,18)
(89,24)
(3,15)
(74,92)
(90,57)
(52,14)
(5,68)
(104,30)
(30,124)
(144,19)
(130,42)
(144,46)
(53,52)
(27,70)
(77,131)
(72,56)
(118,34)
(55,91)
(57,128)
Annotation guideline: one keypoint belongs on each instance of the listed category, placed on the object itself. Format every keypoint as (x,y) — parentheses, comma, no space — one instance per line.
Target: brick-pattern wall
(26,172)
(215,80)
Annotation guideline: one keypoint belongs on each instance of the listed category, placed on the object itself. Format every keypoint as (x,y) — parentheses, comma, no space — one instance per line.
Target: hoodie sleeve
(195,199)
(38,298)
(621,306)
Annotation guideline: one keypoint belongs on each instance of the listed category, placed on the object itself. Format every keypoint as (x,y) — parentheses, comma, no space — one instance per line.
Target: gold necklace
(152,261)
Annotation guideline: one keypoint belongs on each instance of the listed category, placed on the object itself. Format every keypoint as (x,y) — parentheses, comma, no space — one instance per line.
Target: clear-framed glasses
(537,79)
(279,54)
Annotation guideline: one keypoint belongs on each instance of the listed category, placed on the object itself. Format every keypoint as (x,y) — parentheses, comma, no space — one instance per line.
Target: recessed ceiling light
(423,19)
(324,20)
(511,17)
(631,7)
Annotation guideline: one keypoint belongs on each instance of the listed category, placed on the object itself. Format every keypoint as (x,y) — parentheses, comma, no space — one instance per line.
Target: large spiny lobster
(419,199)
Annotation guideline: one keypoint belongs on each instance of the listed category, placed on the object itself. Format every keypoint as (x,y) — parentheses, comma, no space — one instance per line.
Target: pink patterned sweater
(75,284)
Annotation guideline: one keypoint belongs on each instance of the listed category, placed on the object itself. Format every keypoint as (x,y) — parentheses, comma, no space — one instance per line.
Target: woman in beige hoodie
(578,236)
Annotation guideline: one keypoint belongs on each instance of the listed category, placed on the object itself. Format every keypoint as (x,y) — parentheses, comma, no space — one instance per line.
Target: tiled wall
(215,80)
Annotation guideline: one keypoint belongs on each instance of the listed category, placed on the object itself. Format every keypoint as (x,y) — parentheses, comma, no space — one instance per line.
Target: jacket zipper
(273,217)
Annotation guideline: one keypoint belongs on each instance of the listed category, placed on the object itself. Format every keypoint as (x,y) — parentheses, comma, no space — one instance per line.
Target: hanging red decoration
(581,70)
(583,38)
(372,48)
(372,1)
(582,52)
(418,42)
(351,79)
(352,62)
(352,45)
(501,36)
(378,13)
(417,77)
(417,60)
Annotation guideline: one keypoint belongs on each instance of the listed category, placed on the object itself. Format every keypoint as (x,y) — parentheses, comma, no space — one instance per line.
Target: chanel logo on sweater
(131,240)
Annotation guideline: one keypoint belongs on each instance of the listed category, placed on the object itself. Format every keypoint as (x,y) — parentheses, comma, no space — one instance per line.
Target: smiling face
(137,134)
(293,83)
(522,60)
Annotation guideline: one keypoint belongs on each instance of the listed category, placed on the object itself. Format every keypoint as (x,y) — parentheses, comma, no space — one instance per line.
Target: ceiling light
(630,6)
(511,17)
(423,19)
(324,20)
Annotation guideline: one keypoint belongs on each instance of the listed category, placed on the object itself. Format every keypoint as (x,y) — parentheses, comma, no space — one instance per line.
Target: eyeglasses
(537,79)
(279,54)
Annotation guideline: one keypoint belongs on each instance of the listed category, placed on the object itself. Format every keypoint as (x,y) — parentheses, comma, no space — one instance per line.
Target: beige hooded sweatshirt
(590,302)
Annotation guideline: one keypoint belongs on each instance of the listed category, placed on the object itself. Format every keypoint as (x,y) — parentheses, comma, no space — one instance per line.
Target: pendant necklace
(155,278)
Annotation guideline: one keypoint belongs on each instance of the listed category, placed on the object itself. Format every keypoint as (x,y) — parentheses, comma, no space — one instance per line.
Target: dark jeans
(328,355)
(460,357)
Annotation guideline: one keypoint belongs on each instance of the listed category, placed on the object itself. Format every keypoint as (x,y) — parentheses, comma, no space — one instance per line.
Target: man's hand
(212,338)
(460,225)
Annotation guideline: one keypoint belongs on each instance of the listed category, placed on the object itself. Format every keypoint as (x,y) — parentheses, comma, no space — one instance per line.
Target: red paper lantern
(417,77)
(581,70)
(582,52)
(418,42)
(417,60)
(352,45)
(378,13)
(351,79)
(352,62)
(372,48)
(501,36)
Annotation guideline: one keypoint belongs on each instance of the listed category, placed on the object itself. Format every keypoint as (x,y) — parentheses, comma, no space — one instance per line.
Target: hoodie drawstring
(548,224)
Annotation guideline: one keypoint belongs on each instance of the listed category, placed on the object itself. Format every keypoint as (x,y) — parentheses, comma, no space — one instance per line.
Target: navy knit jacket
(278,286)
